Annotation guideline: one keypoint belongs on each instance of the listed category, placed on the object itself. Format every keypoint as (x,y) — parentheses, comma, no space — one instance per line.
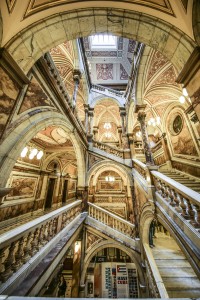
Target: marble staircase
(183,178)
(178,276)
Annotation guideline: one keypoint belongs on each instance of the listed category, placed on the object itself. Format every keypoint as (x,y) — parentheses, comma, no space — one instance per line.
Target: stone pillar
(122,111)
(95,132)
(86,107)
(132,145)
(166,150)
(119,129)
(90,123)
(147,150)
(135,210)
(76,269)
(76,77)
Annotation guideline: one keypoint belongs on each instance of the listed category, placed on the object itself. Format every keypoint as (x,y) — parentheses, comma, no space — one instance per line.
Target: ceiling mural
(109,59)
(53,136)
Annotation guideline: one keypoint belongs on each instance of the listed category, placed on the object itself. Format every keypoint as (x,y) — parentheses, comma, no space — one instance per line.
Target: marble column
(86,108)
(90,125)
(76,77)
(119,129)
(166,150)
(76,269)
(122,111)
(132,145)
(95,132)
(147,150)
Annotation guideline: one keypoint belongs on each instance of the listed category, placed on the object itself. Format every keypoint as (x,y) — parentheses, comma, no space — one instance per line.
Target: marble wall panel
(8,95)
(34,97)
(23,187)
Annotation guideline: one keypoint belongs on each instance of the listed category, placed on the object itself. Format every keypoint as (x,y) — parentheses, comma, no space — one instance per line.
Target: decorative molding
(35,6)
(185,4)
(11,5)
(191,67)
(12,68)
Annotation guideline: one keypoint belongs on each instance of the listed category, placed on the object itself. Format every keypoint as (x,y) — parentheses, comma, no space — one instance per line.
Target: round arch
(32,42)
(97,100)
(22,134)
(135,257)
(106,165)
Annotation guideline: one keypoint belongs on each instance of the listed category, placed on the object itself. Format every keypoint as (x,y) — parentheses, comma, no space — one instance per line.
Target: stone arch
(105,165)
(97,100)
(22,134)
(196,20)
(32,42)
(135,257)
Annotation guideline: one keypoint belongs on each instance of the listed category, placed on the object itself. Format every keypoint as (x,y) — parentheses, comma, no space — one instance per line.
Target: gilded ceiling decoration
(35,6)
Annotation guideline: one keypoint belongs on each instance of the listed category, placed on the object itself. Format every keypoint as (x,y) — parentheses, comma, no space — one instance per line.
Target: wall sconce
(183,97)
(139,134)
(77,246)
(32,153)
(154,121)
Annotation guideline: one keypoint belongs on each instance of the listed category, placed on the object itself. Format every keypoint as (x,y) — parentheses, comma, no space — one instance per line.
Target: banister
(16,233)
(111,214)
(182,189)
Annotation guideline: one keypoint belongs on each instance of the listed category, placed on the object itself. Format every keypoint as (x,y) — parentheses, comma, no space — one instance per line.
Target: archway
(29,45)
(18,138)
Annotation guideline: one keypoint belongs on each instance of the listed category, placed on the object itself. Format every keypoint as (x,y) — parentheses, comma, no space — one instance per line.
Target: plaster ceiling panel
(156,64)
(53,136)
(167,77)
(35,6)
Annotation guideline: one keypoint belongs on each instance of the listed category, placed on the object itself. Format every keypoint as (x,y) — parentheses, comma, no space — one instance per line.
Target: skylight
(103,41)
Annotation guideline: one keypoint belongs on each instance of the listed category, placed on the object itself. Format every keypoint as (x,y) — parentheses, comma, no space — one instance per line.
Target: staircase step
(181,283)
(171,272)
(180,263)
(190,293)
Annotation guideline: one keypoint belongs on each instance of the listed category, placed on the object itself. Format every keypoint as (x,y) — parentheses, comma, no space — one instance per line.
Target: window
(103,41)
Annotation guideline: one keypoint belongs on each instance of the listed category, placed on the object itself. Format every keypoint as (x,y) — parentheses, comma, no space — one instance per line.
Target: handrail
(108,91)
(140,167)
(184,200)
(111,220)
(157,286)
(19,245)
(108,149)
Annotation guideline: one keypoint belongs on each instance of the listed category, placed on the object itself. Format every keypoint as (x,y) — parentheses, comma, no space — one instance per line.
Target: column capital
(77,75)
(139,108)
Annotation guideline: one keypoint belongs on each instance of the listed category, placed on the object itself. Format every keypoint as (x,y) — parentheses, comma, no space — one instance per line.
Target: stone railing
(108,149)
(156,286)
(121,198)
(106,91)
(158,154)
(19,245)
(141,168)
(185,201)
(111,220)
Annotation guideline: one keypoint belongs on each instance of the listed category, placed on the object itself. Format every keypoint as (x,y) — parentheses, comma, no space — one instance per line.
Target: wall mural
(181,138)
(8,95)
(23,186)
(34,97)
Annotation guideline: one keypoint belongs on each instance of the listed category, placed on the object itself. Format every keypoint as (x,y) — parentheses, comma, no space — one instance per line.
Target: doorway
(50,193)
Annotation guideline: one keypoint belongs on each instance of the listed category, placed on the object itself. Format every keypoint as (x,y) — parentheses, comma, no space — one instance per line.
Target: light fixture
(24,152)
(154,121)
(32,152)
(138,134)
(110,178)
(185,96)
(108,135)
(77,246)
(107,125)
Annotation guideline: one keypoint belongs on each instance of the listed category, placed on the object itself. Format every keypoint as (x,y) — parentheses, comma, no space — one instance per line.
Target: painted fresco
(8,95)
(23,187)
(114,186)
(181,138)
(34,97)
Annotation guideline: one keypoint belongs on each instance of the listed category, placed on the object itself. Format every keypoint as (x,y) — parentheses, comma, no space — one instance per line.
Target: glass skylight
(105,41)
